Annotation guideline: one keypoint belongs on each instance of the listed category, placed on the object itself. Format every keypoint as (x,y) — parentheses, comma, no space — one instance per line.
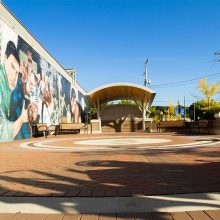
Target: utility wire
(184,82)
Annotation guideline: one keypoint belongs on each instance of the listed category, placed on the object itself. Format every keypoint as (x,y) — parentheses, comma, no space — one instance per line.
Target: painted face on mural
(31,82)
(75,109)
(29,79)
(45,90)
(12,69)
(32,112)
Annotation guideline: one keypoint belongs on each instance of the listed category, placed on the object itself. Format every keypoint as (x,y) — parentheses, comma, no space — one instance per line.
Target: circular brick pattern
(112,143)
(123,141)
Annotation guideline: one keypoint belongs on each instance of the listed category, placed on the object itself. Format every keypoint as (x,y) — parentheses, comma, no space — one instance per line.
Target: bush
(204,110)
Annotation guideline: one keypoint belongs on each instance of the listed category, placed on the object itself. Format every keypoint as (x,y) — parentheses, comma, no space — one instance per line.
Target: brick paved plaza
(178,165)
(196,215)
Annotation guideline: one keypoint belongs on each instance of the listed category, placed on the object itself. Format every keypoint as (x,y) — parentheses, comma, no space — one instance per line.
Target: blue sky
(108,40)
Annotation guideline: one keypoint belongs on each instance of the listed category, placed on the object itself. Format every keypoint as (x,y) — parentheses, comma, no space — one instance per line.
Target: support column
(143,115)
(98,115)
(96,123)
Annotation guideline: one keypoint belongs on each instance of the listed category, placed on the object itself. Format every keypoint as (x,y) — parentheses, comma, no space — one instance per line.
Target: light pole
(146,80)
(184,108)
(194,112)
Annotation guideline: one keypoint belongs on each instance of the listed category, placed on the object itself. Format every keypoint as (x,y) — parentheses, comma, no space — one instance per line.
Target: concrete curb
(139,204)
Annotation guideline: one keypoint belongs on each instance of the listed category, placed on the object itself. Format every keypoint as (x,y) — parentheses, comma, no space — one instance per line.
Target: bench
(170,124)
(73,127)
(41,129)
(202,124)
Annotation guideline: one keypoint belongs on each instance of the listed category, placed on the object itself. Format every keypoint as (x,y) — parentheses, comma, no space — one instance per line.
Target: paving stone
(154,172)
(125,216)
(85,192)
(72,217)
(10,193)
(72,193)
(180,216)
(199,215)
(6,216)
(124,192)
(135,191)
(161,216)
(143,216)
(98,193)
(54,217)
(111,192)
(3,191)
(37,217)
(21,216)
(90,217)
(20,194)
(214,214)
(107,217)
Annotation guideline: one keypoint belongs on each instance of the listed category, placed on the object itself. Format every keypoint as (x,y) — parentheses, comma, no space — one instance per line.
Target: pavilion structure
(141,95)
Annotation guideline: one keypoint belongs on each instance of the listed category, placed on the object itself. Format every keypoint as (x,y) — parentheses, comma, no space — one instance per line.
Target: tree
(126,102)
(202,111)
(208,90)
(157,112)
(171,110)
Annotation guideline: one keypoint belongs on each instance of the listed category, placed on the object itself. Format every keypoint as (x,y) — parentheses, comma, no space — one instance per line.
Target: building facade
(34,87)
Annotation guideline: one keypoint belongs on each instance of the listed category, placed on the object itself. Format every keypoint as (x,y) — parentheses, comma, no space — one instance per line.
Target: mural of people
(31,89)
(8,81)
(74,107)
(54,116)
(83,110)
(25,93)
(65,101)
(46,97)
(68,114)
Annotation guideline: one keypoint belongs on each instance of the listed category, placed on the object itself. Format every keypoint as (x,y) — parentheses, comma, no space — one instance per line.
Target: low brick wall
(128,125)
(214,126)
(171,126)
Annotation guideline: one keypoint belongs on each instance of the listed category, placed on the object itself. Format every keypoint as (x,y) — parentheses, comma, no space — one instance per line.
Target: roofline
(120,84)
(43,47)
(31,34)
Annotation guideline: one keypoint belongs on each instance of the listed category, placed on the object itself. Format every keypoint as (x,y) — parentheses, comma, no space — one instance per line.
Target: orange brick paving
(28,172)
(195,215)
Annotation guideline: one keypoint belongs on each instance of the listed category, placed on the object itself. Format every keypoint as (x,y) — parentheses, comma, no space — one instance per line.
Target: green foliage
(204,109)
(91,112)
(126,102)
(170,111)
(208,90)
(157,112)
(178,117)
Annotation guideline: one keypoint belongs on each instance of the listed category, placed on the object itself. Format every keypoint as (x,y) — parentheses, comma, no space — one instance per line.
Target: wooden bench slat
(73,127)
(40,128)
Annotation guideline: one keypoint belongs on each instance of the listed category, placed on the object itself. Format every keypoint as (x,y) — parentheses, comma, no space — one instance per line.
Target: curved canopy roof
(117,91)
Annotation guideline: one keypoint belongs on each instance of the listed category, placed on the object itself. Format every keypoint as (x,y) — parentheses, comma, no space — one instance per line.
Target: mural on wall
(70,109)
(31,90)
(65,100)
(82,107)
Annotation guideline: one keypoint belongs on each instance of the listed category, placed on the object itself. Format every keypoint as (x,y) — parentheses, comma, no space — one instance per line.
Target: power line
(184,82)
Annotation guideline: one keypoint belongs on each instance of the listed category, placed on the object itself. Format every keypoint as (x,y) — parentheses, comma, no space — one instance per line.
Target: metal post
(184,109)
(194,111)
(98,115)
(146,80)
(143,115)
